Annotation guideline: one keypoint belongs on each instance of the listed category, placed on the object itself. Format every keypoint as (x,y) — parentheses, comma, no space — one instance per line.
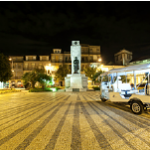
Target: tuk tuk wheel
(136,107)
(102,99)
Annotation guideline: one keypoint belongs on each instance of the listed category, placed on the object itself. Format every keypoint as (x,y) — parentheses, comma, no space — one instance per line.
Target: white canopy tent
(134,69)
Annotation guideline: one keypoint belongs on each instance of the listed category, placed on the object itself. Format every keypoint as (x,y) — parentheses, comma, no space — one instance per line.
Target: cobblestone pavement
(64,121)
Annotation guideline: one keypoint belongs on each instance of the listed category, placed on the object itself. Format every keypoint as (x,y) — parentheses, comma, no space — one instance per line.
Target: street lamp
(12,63)
(49,68)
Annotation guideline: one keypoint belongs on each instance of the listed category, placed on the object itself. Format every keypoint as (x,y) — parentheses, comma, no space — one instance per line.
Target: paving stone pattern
(70,121)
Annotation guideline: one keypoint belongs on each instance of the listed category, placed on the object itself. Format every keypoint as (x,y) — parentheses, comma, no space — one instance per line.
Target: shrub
(40,90)
(36,90)
(96,88)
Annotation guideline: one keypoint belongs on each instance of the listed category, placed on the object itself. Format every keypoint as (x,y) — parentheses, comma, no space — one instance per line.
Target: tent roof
(129,69)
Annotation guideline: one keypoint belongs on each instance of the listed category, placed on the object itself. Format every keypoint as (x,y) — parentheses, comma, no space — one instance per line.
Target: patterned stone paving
(70,121)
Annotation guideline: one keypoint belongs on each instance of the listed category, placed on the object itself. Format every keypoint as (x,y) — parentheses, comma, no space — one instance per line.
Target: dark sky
(38,27)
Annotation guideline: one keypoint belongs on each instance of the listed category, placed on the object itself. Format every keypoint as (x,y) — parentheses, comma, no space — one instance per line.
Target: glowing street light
(50,68)
(99,59)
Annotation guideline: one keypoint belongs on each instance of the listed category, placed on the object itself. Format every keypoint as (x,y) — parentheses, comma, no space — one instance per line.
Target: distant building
(140,60)
(105,67)
(123,57)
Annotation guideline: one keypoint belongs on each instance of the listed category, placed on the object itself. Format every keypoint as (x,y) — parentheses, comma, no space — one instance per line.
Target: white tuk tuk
(112,88)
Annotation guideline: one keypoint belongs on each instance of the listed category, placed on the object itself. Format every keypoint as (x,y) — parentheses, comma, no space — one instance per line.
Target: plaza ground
(64,121)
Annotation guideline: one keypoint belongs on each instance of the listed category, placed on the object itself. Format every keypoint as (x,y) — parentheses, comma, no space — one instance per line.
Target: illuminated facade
(22,64)
(89,54)
(16,64)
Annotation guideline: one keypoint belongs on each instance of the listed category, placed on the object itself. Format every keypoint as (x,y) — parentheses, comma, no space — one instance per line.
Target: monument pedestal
(76,82)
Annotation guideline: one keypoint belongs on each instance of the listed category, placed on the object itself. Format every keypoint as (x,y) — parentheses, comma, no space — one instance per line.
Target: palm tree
(96,77)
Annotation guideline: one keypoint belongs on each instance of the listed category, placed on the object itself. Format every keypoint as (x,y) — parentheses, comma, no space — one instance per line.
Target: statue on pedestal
(76,65)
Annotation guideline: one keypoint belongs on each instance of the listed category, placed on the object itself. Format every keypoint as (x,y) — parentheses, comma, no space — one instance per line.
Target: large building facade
(22,64)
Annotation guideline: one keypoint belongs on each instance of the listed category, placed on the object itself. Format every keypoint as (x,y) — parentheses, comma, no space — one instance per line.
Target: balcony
(16,77)
(67,61)
(85,61)
(28,68)
(59,61)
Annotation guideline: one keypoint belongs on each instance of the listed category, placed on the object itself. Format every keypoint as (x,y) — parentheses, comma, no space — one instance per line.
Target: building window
(83,59)
(91,58)
(26,66)
(116,58)
(19,66)
(33,65)
(40,66)
(65,59)
(34,58)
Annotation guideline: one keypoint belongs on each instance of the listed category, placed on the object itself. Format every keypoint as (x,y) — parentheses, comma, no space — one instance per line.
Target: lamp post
(10,59)
(12,63)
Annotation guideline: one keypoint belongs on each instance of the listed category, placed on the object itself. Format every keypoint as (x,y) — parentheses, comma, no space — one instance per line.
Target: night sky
(38,27)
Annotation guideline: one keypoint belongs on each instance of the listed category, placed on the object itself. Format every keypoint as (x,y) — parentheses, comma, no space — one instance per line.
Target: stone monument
(76,81)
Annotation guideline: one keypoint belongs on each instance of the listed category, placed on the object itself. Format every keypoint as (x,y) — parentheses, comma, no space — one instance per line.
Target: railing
(28,68)
(85,61)
(67,61)
(95,53)
(54,61)
(16,77)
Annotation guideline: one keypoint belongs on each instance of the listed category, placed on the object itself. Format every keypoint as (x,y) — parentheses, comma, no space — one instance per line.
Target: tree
(5,69)
(96,77)
(61,73)
(37,75)
(42,78)
(90,72)
(123,79)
